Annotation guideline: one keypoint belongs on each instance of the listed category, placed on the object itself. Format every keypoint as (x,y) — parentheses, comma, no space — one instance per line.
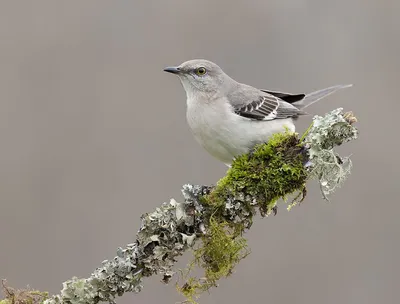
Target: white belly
(225,134)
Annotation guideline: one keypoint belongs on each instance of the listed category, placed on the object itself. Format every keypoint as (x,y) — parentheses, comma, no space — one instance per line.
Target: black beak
(173,70)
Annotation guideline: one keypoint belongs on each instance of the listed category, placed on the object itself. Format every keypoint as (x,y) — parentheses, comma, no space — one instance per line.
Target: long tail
(313,97)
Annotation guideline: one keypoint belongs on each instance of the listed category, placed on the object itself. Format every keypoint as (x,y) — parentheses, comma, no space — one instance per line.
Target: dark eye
(201,71)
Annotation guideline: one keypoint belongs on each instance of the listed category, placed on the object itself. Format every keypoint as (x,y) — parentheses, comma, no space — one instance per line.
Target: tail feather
(313,97)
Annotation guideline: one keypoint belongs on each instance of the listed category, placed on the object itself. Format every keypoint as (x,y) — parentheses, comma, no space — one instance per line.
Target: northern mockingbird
(228,118)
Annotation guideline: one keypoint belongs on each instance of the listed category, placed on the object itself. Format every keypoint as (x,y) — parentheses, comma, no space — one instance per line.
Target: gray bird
(228,118)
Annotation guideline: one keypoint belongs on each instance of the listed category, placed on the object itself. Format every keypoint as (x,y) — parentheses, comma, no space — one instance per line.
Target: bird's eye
(201,71)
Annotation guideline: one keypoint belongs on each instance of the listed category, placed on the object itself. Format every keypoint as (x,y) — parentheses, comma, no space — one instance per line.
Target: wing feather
(266,107)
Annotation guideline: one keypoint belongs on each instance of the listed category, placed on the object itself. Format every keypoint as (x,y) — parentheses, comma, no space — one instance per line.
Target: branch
(219,215)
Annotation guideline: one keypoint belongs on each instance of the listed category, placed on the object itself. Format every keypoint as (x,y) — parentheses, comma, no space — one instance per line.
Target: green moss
(270,172)
(24,296)
(191,289)
(220,252)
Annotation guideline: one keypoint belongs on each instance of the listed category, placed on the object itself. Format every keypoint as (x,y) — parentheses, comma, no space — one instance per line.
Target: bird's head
(201,76)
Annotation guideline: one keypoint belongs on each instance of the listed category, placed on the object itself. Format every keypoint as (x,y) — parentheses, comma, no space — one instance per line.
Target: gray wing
(258,105)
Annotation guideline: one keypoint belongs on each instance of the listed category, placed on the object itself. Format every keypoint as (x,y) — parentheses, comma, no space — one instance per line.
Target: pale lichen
(219,215)
(22,296)
(333,129)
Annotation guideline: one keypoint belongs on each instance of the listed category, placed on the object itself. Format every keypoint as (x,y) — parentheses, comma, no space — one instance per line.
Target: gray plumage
(255,104)
(228,118)
(267,105)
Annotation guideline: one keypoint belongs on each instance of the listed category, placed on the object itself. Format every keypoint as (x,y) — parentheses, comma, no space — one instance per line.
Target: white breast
(225,134)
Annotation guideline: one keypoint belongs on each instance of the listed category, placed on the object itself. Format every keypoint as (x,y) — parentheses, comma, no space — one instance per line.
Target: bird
(228,118)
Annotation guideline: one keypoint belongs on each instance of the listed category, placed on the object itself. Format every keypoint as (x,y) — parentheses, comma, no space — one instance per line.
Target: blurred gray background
(93,134)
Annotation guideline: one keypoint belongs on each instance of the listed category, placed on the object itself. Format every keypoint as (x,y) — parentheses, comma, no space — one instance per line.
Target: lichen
(257,180)
(271,171)
(22,296)
(218,215)
(333,129)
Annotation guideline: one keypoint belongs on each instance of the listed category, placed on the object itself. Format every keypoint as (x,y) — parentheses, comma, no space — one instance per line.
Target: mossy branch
(217,215)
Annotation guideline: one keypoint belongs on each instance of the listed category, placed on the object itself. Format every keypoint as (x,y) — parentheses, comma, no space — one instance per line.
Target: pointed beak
(173,70)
